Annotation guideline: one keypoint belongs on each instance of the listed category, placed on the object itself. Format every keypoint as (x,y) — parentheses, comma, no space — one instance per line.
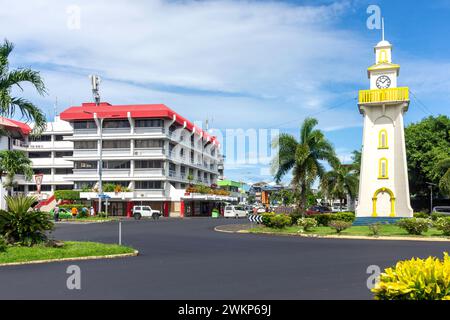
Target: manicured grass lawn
(386,230)
(70,249)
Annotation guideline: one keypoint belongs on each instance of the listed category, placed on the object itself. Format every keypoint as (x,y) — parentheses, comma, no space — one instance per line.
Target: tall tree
(444,182)
(14,162)
(340,182)
(303,157)
(427,143)
(10,79)
(356,162)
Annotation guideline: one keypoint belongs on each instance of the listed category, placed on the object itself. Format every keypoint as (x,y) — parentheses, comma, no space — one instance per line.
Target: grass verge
(71,249)
(385,231)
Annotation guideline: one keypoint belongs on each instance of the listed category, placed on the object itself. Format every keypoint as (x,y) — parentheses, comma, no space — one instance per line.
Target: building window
(60,137)
(148,123)
(86,145)
(44,187)
(383,169)
(116,124)
(32,155)
(147,164)
(116,164)
(60,154)
(85,164)
(64,187)
(124,184)
(383,139)
(85,185)
(148,185)
(145,144)
(42,171)
(41,138)
(84,125)
(116,144)
(63,171)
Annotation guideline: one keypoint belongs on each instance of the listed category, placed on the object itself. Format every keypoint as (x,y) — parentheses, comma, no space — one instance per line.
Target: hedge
(67,195)
(325,218)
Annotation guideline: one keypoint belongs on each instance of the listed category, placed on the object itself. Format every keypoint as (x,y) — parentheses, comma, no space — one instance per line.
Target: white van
(145,211)
(234,212)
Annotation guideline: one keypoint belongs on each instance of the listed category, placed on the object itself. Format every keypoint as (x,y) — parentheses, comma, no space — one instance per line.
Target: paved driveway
(186,259)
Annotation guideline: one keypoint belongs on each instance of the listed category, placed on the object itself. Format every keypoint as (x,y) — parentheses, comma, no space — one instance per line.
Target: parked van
(145,211)
(235,212)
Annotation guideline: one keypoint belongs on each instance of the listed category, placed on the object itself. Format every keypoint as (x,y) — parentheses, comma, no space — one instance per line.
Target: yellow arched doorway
(375,198)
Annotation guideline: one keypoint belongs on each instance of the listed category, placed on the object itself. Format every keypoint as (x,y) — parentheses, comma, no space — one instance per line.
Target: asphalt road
(187,259)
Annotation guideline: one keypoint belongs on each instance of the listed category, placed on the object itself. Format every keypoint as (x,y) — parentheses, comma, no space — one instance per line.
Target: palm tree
(14,162)
(303,157)
(340,182)
(356,158)
(444,182)
(16,79)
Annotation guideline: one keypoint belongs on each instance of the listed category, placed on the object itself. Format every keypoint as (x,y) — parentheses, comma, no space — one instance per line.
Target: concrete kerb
(393,238)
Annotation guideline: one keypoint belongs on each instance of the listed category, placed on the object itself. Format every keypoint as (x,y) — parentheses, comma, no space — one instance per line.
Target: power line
(421,105)
(314,114)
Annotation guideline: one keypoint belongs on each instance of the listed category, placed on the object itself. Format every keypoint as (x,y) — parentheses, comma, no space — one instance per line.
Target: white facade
(49,154)
(384,188)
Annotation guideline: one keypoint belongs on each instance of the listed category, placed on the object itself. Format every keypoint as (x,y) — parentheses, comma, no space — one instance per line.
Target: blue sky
(241,64)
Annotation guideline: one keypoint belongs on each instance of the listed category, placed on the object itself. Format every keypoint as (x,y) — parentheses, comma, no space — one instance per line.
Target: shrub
(325,218)
(3,245)
(344,216)
(278,221)
(443,224)
(67,195)
(339,225)
(65,215)
(20,226)
(307,224)
(73,205)
(415,226)
(422,215)
(436,215)
(415,279)
(375,228)
(295,216)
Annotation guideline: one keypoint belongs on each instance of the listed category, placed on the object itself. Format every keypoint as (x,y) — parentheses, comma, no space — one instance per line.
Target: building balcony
(383,95)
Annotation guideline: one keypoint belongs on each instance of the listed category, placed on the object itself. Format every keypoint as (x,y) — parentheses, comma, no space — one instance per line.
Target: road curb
(110,256)
(334,236)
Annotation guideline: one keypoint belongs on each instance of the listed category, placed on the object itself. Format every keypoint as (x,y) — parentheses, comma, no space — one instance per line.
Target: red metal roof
(107,111)
(14,124)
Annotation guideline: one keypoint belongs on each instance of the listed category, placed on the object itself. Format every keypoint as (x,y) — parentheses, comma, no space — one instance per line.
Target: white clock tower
(384,188)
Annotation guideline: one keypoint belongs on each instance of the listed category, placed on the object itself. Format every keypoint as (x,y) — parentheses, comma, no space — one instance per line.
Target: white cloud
(247,63)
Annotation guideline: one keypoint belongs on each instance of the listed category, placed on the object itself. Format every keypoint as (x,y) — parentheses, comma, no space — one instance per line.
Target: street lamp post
(431,195)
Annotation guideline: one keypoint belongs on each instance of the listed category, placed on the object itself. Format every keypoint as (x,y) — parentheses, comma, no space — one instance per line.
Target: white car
(235,212)
(145,211)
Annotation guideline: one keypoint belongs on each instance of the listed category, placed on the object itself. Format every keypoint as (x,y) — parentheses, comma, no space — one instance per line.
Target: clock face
(383,82)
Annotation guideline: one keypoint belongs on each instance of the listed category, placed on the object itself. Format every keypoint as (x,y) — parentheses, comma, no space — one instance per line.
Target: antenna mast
(95,82)
(382,28)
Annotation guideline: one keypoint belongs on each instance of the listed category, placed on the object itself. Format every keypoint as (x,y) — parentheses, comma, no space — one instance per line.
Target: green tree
(14,162)
(10,79)
(427,144)
(303,157)
(356,162)
(444,182)
(339,182)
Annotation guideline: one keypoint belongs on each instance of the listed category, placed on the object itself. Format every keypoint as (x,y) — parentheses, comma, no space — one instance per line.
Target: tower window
(383,139)
(383,169)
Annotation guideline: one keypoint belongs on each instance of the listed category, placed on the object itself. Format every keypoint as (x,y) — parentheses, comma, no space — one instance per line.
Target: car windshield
(228,208)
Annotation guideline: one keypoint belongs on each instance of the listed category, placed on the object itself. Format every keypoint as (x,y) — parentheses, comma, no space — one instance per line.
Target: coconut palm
(14,162)
(444,182)
(303,157)
(340,182)
(10,79)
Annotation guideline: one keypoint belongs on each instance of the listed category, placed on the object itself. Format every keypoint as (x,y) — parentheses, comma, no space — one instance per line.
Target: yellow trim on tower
(383,143)
(380,169)
(375,198)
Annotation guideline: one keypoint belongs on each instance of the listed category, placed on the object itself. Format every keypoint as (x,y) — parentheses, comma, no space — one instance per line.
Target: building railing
(384,95)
